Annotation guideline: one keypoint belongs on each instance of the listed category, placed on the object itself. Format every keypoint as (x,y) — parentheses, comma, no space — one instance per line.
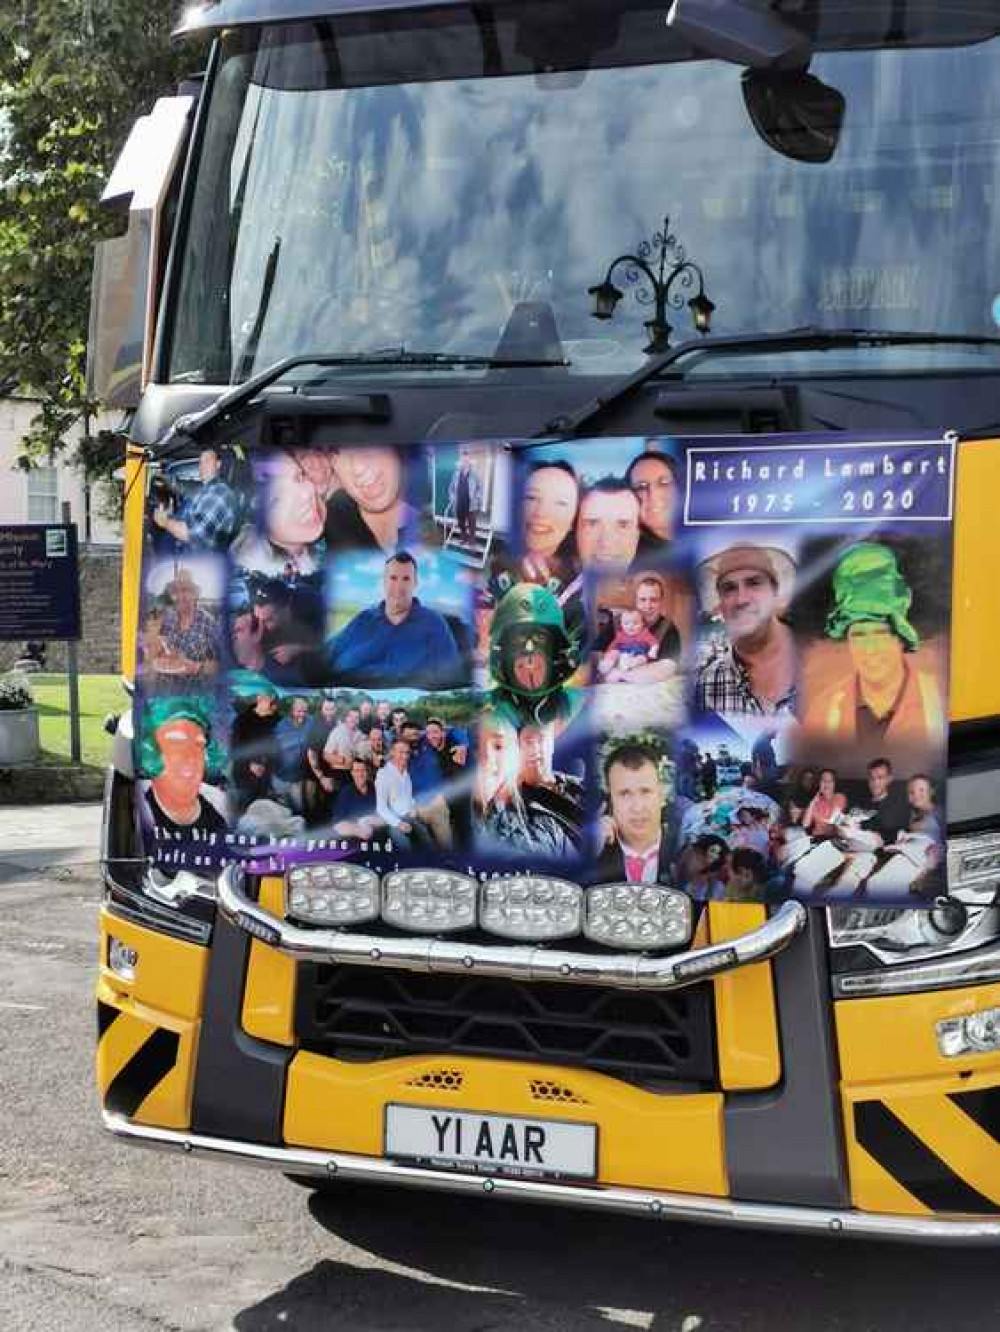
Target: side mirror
(794,112)
(123,300)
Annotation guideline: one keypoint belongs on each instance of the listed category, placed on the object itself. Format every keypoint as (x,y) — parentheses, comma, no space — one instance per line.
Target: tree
(74,75)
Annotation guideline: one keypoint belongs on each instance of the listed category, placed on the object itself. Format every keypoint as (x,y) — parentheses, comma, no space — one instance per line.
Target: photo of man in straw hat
(882,695)
(754,672)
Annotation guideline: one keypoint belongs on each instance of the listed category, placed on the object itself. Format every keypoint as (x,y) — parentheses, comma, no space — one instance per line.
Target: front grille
(365,1012)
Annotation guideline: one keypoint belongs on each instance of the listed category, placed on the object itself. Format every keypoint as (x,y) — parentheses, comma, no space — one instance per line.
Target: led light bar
(637,915)
(530,907)
(429,901)
(523,907)
(332,894)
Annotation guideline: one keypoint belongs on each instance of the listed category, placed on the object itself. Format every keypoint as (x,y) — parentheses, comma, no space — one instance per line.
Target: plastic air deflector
(239,1089)
(786,1145)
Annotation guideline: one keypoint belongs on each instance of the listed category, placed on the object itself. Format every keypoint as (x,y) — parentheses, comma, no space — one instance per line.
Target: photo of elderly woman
(181,634)
(176,755)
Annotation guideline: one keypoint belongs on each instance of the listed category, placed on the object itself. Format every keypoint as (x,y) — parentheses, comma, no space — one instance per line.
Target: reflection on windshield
(420,216)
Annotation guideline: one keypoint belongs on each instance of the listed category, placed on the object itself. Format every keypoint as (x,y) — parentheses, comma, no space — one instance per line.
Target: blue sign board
(39,582)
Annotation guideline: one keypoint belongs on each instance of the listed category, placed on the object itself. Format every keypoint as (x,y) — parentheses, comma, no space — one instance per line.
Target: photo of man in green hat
(884,696)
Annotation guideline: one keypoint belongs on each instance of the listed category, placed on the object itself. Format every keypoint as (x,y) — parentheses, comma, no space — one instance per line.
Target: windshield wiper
(402,356)
(185,430)
(807,338)
(249,354)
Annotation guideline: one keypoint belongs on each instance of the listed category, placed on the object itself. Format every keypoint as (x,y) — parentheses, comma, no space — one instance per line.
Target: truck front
(559,604)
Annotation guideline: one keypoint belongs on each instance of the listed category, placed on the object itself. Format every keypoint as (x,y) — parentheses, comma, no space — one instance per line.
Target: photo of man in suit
(637,845)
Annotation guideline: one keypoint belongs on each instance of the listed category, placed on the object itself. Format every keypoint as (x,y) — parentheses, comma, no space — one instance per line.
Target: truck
(504,807)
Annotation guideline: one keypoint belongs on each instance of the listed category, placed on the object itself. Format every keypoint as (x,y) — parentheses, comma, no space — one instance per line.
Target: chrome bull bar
(324,1166)
(531,962)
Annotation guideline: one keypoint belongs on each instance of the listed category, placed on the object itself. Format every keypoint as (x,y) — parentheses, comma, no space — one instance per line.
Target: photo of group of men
(527,656)
(343,764)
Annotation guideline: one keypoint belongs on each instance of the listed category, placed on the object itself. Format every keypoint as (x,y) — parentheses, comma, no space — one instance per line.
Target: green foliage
(15,692)
(74,75)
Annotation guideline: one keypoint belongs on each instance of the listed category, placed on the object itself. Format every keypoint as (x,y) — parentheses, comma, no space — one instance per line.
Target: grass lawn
(99,695)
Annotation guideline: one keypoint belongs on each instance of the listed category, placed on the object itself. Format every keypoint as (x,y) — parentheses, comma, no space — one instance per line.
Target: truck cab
(401,290)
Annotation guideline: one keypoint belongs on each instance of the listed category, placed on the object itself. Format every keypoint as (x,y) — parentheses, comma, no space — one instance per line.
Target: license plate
(491,1144)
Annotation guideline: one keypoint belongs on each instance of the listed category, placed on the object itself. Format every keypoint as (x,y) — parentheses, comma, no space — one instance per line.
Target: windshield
(473,215)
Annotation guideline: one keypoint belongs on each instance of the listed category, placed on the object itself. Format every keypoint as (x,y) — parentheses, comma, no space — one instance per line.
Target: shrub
(15,693)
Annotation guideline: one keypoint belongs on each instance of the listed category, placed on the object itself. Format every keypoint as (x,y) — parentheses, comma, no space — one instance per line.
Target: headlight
(332,894)
(900,950)
(637,915)
(528,907)
(429,901)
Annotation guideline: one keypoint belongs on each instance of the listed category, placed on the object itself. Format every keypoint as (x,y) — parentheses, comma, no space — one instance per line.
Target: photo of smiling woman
(289,541)
(549,506)
(177,753)
(652,478)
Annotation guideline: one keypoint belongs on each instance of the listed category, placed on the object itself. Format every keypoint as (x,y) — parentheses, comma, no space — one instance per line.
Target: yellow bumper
(922,1131)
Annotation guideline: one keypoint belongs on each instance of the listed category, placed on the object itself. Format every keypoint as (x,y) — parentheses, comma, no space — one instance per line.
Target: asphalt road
(94,1235)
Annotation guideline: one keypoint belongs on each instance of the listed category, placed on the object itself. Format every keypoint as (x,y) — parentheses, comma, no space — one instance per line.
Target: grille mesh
(368,1012)
(543,1090)
(439,1079)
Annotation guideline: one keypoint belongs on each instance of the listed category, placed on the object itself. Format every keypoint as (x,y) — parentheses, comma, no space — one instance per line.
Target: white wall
(16,415)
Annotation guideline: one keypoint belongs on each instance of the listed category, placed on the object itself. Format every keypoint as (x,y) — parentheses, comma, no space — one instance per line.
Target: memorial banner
(716,664)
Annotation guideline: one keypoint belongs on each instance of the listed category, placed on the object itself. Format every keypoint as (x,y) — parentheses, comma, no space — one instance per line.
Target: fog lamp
(332,894)
(979,1033)
(637,915)
(528,907)
(429,900)
(122,958)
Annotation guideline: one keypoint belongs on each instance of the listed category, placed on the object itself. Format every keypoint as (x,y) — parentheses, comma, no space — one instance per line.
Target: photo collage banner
(715,663)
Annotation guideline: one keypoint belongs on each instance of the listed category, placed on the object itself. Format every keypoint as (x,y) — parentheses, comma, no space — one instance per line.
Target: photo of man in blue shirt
(399,641)
(210,517)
